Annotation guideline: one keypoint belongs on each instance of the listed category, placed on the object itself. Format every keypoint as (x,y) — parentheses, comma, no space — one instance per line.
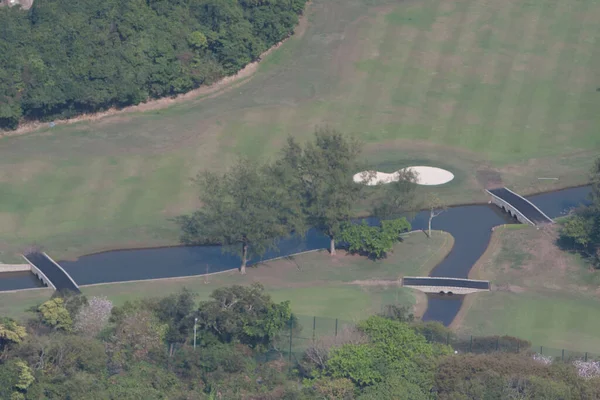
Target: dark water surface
(18,280)
(442,308)
(471,227)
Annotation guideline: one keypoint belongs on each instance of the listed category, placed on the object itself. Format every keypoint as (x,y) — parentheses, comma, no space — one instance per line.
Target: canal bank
(471,226)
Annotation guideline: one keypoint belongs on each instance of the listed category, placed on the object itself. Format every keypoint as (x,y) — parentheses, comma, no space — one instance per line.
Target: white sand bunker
(428,176)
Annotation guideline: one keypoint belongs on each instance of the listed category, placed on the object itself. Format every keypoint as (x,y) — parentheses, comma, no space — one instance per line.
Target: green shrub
(374,241)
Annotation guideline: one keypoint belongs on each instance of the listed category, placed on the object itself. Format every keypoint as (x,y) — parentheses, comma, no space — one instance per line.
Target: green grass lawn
(539,293)
(346,287)
(494,91)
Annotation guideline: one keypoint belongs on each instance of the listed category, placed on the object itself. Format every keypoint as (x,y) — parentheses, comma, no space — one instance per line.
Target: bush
(398,313)
(488,344)
(373,241)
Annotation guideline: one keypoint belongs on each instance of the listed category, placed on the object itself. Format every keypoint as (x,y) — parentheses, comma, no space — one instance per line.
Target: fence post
(471,345)
(314,326)
(563,354)
(586,356)
(336,326)
(542,350)
(291,325)
(497,343)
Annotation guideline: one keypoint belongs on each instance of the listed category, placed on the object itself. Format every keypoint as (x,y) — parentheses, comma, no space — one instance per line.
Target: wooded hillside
(63,58)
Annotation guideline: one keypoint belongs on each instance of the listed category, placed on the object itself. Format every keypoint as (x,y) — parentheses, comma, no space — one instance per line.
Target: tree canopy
(581,231)
(321,176)
(59,59)
(242,209)
(145,351)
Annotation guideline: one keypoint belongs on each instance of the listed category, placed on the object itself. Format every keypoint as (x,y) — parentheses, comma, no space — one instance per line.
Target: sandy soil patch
(427,176)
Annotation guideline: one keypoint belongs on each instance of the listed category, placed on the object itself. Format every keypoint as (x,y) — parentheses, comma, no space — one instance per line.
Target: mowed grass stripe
(534,94)
(505,17)
(439,105)
(405,96)
(45,195)
(466,46)
(468,119)
(514,85)
(444,35)
(483,102)
(75,211)
(575,106)
(378,72)
(423,61)
(538,120)
(563,110)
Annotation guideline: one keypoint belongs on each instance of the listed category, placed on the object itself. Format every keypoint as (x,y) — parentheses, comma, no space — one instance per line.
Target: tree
(398,197)
(374,241)
(197,40)
(54,314)
(435,206)
(11,332)
(581,231)
(243,314)
(393,348)
(176,311)
(321,172)
(93,317)
(240,210)
(137,333)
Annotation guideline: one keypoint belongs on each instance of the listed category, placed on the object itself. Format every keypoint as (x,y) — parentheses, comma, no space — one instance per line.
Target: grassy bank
(493,91)
(539,292)
(345,287)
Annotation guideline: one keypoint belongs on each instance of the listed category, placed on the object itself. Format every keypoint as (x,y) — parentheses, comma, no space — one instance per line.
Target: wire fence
(304,332)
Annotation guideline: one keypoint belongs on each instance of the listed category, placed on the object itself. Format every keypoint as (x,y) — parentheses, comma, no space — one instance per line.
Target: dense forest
(62,58)
(234,346)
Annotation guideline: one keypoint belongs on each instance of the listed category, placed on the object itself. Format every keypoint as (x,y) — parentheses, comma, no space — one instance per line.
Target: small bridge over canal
(429,284)
(50,273)
(516,205)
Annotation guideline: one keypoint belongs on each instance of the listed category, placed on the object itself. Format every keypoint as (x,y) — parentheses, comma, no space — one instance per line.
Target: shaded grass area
(539,293)
(496,92)
(345,287)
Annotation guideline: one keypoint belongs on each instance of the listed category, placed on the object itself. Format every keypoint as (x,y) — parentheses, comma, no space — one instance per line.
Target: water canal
(471,226)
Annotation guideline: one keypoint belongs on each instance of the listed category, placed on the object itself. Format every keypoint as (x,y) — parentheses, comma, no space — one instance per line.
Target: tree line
(60,59)
(233,346)
(251,206)
(581,231)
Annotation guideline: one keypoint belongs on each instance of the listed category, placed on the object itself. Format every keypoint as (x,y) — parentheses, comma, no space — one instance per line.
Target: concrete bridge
(519,207)
(50,273)
(449,286)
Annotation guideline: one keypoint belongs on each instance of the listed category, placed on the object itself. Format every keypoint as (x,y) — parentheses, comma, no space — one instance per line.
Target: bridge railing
(533,205)
(41,276)
(499,201)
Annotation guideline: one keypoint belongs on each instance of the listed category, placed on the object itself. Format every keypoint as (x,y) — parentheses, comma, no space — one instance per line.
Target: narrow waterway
(471,227)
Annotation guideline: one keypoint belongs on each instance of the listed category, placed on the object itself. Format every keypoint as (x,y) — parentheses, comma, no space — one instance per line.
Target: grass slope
(540,293)
(344,287)
(494,91)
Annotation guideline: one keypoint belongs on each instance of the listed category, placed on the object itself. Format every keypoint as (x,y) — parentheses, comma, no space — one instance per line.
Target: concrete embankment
(14,267)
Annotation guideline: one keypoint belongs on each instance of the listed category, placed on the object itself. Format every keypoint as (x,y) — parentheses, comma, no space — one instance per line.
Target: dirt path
(224,85)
